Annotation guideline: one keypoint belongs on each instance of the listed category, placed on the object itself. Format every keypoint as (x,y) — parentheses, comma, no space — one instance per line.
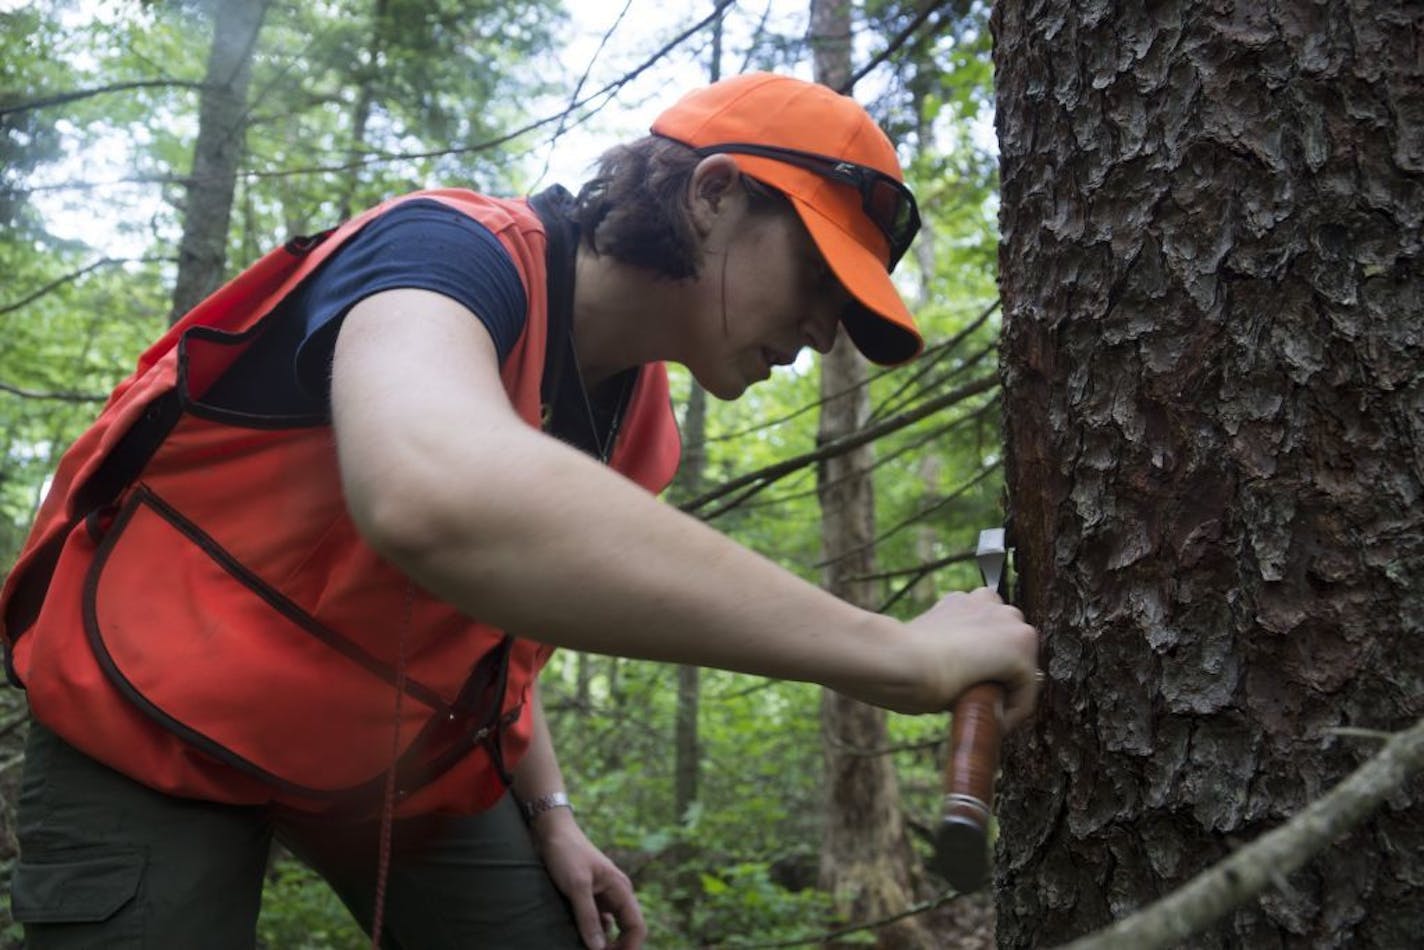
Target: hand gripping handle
(962,840)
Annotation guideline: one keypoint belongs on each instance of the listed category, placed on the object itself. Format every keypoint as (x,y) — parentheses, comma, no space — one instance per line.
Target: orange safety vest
(214,626)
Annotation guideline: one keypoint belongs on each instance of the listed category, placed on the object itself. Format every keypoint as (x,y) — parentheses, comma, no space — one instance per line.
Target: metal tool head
(991,555)
(961,854)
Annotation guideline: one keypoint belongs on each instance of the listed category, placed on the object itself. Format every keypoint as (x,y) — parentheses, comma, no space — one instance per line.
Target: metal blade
(990,556)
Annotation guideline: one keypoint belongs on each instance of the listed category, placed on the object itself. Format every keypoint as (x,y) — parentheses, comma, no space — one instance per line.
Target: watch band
(537,806)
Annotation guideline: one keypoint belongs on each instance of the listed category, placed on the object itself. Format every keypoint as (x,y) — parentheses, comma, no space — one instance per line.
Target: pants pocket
(79,899)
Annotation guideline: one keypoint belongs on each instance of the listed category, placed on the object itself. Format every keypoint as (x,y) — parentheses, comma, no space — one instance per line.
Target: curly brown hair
(635,208)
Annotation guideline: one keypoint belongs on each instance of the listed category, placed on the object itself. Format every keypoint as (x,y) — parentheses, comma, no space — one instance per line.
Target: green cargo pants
(107,862)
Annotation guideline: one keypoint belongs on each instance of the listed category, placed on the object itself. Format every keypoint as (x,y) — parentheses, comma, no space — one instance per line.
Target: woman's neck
(623,316)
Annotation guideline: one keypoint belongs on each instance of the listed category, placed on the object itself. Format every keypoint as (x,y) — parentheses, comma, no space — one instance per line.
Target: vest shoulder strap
(561,246)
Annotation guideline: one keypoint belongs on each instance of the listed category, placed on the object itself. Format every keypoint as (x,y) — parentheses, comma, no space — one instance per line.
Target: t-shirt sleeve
(420,244)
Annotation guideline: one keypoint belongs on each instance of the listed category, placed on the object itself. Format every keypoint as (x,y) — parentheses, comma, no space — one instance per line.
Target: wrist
(891,664)
(536,808)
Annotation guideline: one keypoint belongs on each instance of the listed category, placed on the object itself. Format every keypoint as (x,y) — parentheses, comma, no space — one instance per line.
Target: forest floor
(966,923)
(13,719)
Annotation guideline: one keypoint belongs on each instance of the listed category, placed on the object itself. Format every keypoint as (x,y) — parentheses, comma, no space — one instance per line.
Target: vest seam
(435,765)
(144,495)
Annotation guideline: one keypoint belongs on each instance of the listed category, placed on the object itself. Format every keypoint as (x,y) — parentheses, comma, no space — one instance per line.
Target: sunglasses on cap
(885,200)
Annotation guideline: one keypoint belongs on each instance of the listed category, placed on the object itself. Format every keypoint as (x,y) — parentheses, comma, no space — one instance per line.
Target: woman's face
(763,293)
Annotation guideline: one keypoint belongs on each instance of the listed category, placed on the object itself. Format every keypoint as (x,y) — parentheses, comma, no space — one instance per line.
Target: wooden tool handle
(962,842)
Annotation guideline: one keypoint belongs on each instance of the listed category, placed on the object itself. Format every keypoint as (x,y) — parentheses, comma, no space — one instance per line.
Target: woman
(303,572)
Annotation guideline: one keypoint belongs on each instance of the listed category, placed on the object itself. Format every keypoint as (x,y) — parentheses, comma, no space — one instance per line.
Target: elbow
(441,531)
(403,509)
(400,525)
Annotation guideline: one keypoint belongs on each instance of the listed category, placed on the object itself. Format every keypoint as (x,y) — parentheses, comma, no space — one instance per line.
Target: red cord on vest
(388,798)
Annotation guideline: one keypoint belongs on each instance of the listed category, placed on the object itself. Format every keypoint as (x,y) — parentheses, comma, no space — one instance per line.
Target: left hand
(601,895)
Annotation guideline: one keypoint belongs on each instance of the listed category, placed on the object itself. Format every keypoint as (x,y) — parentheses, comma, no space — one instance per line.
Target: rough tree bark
(207,206)
(866,860)
(1211,270)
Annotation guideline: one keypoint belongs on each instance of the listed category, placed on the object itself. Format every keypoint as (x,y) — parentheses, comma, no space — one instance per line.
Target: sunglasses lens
(893,211)
(887,208)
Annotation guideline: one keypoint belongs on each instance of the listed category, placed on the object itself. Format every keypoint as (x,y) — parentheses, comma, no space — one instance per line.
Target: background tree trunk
(866,859)
(367,76)
(207,207)
(1210,263)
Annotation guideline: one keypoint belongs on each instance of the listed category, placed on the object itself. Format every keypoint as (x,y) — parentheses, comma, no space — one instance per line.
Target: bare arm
(515,528)
(599,893)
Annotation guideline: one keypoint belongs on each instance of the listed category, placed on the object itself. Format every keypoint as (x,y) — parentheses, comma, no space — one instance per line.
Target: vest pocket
(203,646)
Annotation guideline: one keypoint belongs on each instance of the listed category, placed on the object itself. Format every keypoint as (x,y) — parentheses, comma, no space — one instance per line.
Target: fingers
(1018,640)
(1020,699)
(587,918)
(617,903)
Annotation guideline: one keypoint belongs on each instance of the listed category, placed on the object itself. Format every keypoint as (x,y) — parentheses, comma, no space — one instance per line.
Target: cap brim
(878,322)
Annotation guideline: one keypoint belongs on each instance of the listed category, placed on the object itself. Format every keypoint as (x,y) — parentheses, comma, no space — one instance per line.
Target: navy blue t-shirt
(420,244)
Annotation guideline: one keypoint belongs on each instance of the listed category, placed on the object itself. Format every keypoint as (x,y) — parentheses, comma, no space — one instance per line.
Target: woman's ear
(712,190)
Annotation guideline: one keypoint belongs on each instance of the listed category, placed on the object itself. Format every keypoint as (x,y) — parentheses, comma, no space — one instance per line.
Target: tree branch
(75,275)
(818,939)
(60,98)
(1230,883)
(893,46)
(53,396)
(919,515)
(771,473)
(927,361)
(930,435)
(918,574)
(607,91)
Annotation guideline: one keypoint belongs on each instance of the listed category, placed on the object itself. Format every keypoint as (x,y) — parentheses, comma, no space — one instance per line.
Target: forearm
(537,773)
(518,530)
(578,557)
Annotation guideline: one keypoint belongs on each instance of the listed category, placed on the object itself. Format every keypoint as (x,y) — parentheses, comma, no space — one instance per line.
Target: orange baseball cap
(825,153)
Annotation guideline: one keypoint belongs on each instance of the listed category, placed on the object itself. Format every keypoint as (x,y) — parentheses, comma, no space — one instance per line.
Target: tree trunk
(866,859)
(687,762)
(690,476)
(366,77)
(687,745)
(1211,273)
(207,209)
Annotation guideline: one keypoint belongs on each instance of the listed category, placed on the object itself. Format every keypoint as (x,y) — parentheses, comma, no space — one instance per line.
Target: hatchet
(961,847)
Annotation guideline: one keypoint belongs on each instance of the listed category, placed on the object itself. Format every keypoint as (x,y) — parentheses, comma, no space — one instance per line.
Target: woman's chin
(724,386)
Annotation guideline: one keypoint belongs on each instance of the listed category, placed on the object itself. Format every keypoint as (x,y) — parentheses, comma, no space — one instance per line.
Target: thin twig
(928,566)
(75,95)
(72,276)
(881,460)
(859,752)
(607,91)
(578,88)
(53,396)
(928,359)
(893,46)
(919,574)
(915,518)
(841,446)
(912,911)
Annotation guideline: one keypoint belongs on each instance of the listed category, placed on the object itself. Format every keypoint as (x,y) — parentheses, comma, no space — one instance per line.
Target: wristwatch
(537,806)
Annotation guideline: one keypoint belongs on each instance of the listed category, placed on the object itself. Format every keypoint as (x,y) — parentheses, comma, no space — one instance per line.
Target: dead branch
(772,473)
(1232,882)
